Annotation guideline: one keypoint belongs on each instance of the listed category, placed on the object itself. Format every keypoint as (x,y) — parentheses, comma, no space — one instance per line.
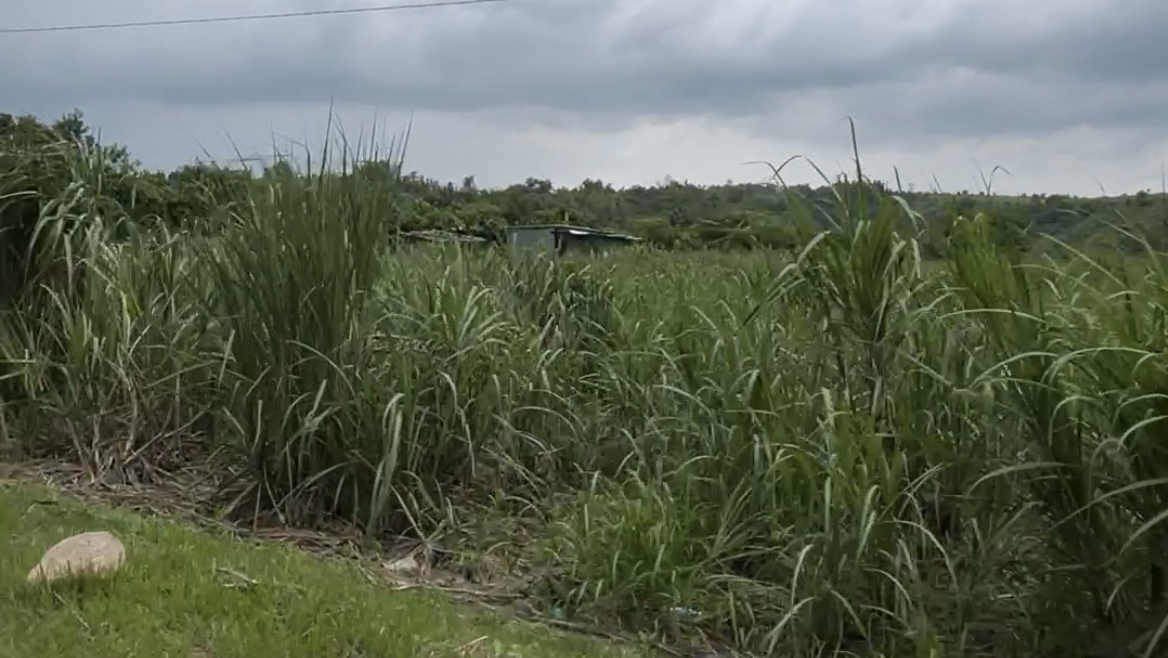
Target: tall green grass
(839,449)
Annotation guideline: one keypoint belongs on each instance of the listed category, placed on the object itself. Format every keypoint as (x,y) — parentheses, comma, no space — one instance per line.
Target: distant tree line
(39,165)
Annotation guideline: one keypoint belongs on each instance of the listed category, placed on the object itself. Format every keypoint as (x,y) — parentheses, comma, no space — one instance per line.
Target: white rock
(406,565)
(96,553)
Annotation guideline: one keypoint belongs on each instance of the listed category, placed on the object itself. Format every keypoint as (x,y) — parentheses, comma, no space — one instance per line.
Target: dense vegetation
(673,214)
(834,446)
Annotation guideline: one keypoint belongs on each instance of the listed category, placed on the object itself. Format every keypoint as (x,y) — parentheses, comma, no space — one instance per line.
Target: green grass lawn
(189,593)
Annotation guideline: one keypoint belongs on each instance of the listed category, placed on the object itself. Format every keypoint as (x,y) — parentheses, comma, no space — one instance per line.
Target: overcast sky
(1068,95)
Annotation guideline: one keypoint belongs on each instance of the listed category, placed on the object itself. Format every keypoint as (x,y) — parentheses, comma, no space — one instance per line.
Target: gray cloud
(1104,42)
(964,104)
(985,68)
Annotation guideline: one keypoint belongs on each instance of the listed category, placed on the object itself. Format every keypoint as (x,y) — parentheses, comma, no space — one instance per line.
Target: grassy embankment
(839,450)
(193,594)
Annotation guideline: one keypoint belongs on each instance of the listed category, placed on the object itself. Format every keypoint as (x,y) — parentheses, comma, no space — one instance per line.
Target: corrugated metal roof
(441,236)
(573,230)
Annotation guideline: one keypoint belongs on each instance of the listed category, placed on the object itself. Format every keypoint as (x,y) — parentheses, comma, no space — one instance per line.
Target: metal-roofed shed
(563,238)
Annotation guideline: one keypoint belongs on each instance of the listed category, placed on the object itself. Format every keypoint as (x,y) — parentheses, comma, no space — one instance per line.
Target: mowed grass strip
(188,592)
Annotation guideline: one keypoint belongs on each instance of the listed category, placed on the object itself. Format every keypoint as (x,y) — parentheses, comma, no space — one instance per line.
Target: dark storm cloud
(552,54)
(1118,42)
(980,71)
(962,103)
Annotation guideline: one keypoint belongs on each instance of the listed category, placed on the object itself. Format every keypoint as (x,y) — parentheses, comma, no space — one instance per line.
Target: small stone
(89,553)
(406,565)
